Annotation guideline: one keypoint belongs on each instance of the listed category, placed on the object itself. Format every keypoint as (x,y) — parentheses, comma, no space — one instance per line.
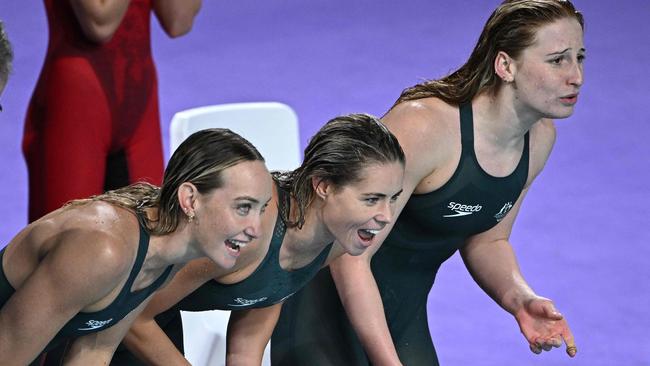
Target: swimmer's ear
(187,197)
(505,67)
(322,187)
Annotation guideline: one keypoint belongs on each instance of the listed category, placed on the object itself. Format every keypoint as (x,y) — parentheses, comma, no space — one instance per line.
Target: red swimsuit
(92,100)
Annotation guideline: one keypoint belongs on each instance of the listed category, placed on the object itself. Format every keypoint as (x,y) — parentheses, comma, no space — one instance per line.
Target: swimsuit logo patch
(461,209)
(247,302)
(504,211)
(96,324)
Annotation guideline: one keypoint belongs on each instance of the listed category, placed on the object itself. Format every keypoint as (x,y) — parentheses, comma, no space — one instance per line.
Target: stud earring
(190,215)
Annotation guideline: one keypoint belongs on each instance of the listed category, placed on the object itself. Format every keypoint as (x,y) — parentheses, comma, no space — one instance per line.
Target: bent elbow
(177,28)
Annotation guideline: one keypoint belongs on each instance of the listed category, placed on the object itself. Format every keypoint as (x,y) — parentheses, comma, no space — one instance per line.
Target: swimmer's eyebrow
(251,199)
(558,52)
(582,50)
(382,195)
(247,198)
(373,195)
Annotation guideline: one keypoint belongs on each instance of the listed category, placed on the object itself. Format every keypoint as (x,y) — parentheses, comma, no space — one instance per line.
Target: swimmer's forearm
(150,344)
(360,297)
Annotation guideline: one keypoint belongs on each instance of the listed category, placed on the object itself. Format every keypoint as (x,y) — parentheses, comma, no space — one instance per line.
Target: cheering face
(229,217)
(357,212)
(550,72)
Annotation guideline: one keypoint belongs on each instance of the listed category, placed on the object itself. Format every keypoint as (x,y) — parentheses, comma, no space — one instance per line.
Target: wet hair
(6,55)
(337,153)
(199,160)
(511,28)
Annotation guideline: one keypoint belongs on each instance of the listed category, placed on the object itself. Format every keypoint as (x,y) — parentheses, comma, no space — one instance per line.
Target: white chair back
(273,129)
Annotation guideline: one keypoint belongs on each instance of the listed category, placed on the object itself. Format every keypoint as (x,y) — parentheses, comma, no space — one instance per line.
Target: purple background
(582,237)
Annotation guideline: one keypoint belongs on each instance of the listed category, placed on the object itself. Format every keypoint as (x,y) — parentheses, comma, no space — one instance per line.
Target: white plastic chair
(273,128)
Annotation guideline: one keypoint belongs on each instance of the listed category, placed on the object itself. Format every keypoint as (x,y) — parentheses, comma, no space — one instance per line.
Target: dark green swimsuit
(269,284)
(313,328)
(86,323)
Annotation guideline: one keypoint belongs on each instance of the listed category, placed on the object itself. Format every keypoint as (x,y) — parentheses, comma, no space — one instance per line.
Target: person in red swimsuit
(96,99)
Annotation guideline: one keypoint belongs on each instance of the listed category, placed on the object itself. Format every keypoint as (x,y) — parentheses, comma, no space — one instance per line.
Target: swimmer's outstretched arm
(249,331)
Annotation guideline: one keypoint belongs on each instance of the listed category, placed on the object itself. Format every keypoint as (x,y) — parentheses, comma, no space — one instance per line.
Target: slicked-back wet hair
(511,28)
(199,160)
(337,153)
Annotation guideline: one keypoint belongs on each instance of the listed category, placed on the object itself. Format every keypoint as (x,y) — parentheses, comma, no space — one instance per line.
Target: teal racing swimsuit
(87,323)
(269,284)
(313,328)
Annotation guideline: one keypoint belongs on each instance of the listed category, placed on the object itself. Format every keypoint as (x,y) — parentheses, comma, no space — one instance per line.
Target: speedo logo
(96,324)
(247,302)
(462,209)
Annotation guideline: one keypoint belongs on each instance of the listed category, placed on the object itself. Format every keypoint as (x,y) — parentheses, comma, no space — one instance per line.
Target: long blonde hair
(199,160)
